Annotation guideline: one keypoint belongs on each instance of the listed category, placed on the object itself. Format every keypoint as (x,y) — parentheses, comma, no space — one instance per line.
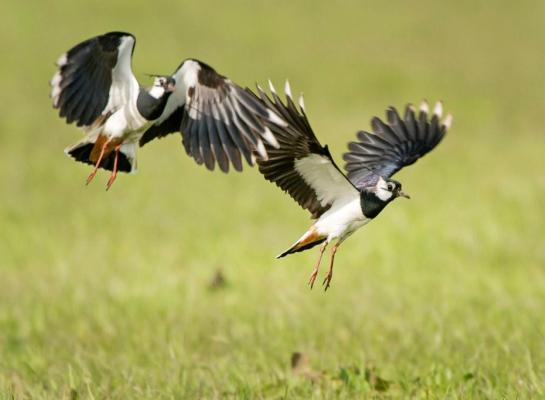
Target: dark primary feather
(296,141)
(394,144)
(86,77)
(227,125)
(169,125)
(219,121)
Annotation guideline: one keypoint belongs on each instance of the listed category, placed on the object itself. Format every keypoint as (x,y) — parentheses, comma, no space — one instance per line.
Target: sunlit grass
(107,295)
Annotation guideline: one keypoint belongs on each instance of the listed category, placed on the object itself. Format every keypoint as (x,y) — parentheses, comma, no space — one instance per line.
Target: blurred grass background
(107,295)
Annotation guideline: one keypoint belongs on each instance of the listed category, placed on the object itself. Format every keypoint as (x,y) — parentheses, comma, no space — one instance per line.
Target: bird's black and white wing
(94,78)
(219,120)
(301,166)
(394,144)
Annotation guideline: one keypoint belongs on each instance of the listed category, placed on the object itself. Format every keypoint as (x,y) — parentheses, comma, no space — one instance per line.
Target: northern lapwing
(95,87)
(342,203)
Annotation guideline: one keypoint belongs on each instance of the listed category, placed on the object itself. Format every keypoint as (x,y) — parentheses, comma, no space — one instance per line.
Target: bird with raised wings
(95,87)
(342,203)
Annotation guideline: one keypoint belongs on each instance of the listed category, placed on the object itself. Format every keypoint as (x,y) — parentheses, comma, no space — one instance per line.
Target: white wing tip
(56,79)
(129,38)
(287,89)
(55,88)
(271,86)
(61,60)
(269,137)
(261,150)
(448,121)
(438,109)
(275,119)
(55,96)
(302,102)
(424,107)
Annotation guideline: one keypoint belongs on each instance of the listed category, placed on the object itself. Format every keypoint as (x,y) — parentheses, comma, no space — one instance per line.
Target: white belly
(126,124)
(341,221)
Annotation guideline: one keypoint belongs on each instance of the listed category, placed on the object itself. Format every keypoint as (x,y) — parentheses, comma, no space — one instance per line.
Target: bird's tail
(89,148)
(310,239)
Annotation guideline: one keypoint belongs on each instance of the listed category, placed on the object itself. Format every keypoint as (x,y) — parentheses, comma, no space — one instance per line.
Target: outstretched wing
(94,78)
(394,144)
(301,166)
(218,120)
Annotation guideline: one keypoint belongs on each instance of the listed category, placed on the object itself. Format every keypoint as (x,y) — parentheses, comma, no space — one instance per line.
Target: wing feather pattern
(301,166)
(394,143)
(94,78)
(219,121)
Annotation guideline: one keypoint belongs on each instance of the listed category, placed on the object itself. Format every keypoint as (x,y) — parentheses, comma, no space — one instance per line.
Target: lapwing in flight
(95,88)
(341,203)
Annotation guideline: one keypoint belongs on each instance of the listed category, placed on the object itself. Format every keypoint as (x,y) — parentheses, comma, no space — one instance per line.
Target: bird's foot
(327,280)
(114,169)
(313,276)
(314,273)
(91,176)
(111,180)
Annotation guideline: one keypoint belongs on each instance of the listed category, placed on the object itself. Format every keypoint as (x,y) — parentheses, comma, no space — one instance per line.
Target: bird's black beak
(401,194)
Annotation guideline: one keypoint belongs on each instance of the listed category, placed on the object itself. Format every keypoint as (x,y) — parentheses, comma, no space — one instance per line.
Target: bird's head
(375,198)
(162,85)
(388,189)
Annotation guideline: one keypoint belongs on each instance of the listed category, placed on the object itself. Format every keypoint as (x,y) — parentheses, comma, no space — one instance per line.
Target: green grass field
(107,295)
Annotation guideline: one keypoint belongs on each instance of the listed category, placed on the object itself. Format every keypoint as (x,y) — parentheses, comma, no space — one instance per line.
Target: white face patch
(157,91)
(381,190)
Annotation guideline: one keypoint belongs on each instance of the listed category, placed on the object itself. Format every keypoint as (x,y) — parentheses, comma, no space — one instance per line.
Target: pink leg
(114,170)
(329,275)
(314,273)
(97,165)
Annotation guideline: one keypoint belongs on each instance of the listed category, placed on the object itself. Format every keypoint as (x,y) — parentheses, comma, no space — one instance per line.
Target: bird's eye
(390,187)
